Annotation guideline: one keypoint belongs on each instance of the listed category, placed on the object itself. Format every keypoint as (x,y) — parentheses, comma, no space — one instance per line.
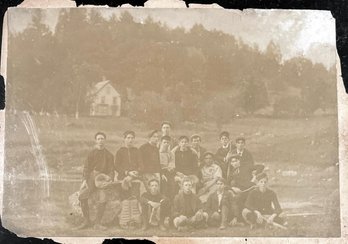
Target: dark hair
(224,133)
(166,123)
(196,136)
(152,133)
(259,168)
(183,137)
(235,157)
(167,138)
(261,176)
(186,179)
(125,134)
(99,133)
(153,180)
(241,138)
(208,153)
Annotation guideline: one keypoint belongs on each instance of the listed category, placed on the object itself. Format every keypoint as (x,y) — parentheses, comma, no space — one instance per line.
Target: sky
(297,32)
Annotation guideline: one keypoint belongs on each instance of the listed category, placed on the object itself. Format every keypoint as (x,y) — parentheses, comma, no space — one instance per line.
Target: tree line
(184,75)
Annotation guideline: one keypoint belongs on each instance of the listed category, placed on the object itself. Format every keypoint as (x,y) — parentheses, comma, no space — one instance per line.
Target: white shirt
(240,153)
(219,197)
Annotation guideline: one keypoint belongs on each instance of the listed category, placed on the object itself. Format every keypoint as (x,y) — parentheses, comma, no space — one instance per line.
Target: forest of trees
(186,75)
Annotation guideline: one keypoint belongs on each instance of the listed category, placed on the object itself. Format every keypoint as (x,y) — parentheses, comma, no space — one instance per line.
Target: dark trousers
(219,217)
(168,188)
(101,203)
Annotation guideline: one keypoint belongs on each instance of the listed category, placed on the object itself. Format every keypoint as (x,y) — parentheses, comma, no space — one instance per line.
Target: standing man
(155,207)
(166,128)
(224,153)
(245,158)
(128,162)
(167,162)
(186,162)
(196,145)
(151,158)
(99,161)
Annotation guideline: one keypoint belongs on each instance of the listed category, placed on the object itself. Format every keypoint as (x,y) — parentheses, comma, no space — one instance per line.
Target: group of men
(179,184)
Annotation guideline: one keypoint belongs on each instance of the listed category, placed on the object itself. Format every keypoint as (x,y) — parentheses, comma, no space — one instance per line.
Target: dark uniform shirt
(186,162)
(262,201)
(100,160)
(150,158)
(127,159)
(186,204)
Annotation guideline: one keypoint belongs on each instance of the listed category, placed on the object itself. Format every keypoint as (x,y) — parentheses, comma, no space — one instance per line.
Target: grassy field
(308,147)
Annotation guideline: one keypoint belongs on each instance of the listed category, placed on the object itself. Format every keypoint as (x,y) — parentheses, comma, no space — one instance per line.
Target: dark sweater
(101,161)
(150,158)
(186,162)
(246,164)
(238,177)
(186,204)
(220,154)
(127,159)
(147,196)
(262,201)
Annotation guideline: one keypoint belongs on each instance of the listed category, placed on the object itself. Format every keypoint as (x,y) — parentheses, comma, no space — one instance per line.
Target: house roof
(100,85)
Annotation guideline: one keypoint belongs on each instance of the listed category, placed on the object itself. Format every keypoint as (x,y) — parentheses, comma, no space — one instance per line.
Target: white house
(106,101)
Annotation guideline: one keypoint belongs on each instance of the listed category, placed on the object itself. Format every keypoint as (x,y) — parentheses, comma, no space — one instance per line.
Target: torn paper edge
(342,99)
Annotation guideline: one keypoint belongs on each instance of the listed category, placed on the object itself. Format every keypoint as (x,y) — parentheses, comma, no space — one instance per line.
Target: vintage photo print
(171,123)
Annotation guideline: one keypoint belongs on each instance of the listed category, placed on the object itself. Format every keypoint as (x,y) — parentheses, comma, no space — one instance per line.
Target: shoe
(99,227)
(252,227)
(222,227)
(162,227)
(84,225)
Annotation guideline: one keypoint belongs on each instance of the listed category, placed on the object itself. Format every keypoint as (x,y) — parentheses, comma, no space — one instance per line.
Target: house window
(114,100)
(102,100)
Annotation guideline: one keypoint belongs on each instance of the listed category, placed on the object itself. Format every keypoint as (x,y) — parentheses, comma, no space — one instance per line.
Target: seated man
(99,160)
(221,206)
(186,162)
(167,168)
(188,209)
(210,173)
(155,207)
(128,165)
(262,205)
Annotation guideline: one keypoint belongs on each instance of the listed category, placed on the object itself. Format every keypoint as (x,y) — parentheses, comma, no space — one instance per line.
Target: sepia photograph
(171,123)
